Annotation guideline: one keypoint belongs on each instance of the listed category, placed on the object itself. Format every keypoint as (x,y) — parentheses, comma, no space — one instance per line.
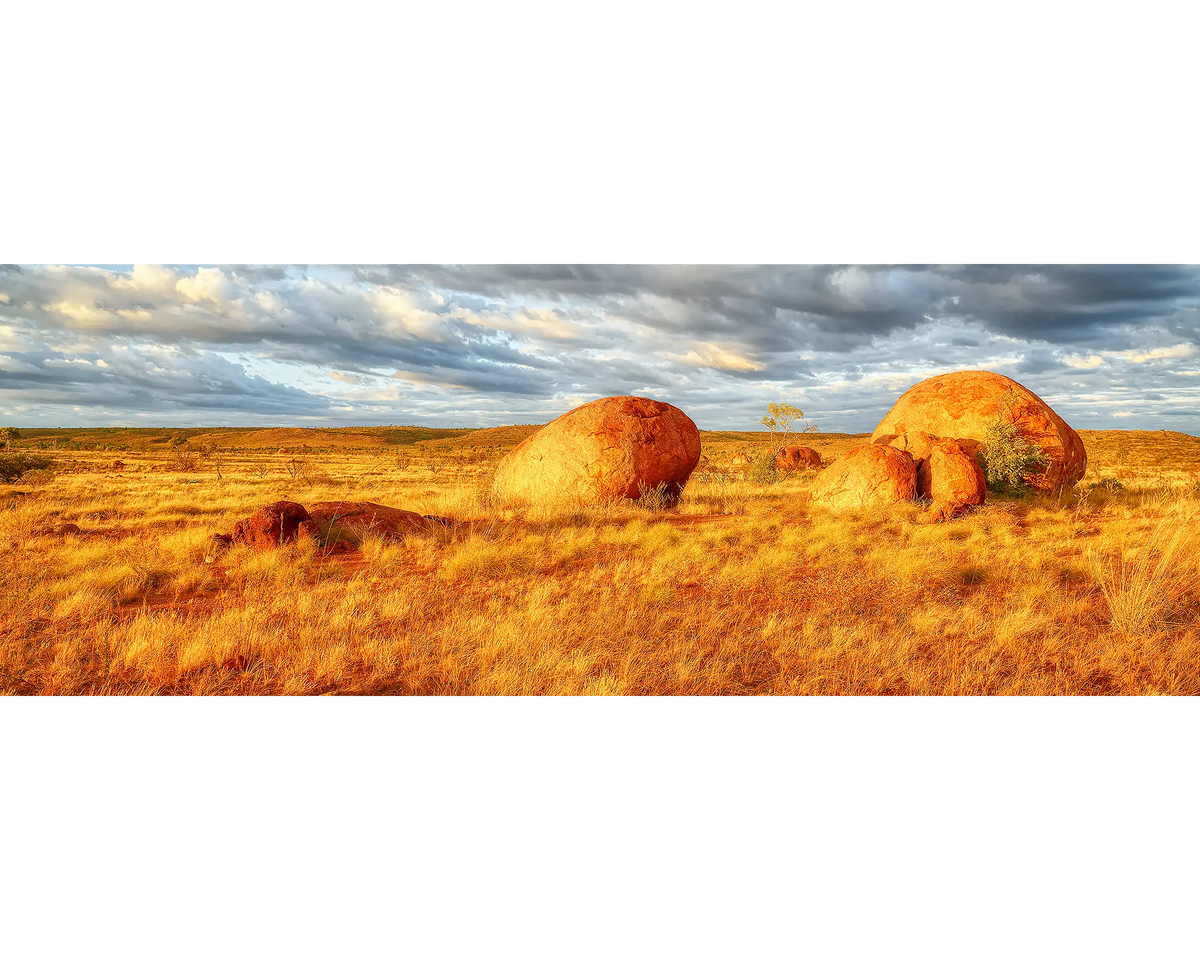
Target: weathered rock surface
(797,458)
(615,447)
(356,519)
(947,470)
(866,475)
(952,479)
(271,525)
(961,405)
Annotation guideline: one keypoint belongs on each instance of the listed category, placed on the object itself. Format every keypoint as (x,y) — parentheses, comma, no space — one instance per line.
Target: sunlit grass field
(745,587)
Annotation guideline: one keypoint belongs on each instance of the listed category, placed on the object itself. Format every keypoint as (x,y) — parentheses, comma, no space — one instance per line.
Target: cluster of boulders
(928,444)
(338,524)
(925,449)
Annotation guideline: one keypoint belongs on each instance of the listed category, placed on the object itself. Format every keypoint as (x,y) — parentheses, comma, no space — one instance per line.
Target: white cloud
(1159,353)
(147,278)
(716,357)
(209,283)
(402,314)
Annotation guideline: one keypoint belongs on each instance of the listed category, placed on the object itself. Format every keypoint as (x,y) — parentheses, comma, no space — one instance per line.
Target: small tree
(8,435)
(781,418)
(183,460)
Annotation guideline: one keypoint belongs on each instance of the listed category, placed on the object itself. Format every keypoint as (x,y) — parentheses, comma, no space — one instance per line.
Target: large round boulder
(866,475)
(617,447)
(961,406)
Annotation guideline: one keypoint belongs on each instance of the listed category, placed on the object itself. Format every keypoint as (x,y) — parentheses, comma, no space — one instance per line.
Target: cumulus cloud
(205,284)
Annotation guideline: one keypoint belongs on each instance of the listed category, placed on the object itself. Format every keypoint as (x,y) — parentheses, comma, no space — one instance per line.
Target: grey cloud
(515,340)
(137,382)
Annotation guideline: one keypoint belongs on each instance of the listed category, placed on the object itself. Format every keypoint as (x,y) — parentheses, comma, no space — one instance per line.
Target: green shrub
(12,465)
(1008,458)
(1107,483)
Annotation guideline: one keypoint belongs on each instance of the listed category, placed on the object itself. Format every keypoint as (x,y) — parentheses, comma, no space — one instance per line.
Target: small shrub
(14,465)
(763,470)
(184,461)
(1107,483)
(1008,458)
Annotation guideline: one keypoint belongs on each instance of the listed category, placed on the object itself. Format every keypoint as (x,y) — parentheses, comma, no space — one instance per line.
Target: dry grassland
(744,588)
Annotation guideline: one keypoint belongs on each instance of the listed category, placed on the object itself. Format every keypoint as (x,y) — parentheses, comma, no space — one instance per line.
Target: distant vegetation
(14,465)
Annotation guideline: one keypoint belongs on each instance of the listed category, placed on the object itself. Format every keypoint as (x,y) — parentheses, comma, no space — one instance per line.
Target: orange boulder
(615,447)
(271,525)
(946,469)
(865,475)
(951,478)
(797,458)
(961,406)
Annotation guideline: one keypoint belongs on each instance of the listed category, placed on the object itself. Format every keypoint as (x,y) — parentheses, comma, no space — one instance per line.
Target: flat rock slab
(357,519)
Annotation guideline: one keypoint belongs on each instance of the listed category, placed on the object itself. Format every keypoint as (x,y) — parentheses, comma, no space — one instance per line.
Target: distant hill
(225,438)
(1108,450)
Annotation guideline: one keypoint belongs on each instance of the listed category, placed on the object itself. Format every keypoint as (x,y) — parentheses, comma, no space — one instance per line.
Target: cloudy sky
(1107,346)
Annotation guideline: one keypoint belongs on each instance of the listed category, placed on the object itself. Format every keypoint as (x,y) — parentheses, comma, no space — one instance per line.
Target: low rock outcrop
(337,519)
(948,471)
(797,458)
(271,525)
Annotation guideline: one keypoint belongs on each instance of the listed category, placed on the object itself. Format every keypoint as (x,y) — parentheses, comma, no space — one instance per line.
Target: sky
(1109,347)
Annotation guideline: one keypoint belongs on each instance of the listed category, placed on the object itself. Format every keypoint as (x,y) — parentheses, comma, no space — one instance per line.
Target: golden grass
(743,588)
